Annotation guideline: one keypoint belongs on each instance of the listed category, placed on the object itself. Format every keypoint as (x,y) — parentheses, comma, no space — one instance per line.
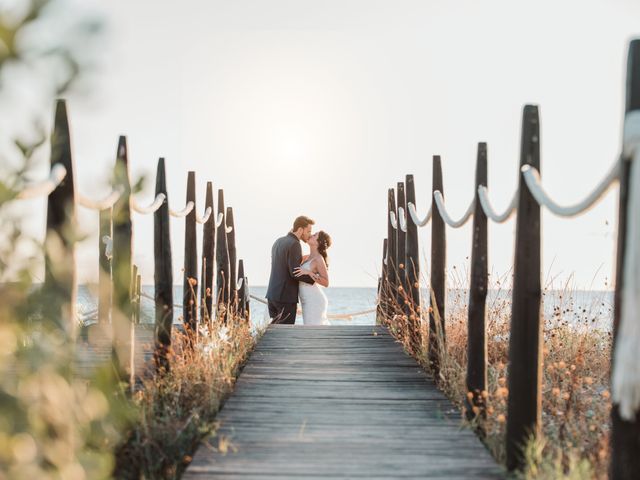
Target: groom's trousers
(282,312)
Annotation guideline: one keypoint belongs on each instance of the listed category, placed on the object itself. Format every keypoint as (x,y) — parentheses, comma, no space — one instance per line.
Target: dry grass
(177,409)
(575,384)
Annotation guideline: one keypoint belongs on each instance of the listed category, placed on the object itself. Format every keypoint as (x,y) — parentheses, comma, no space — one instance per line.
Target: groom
(286,256)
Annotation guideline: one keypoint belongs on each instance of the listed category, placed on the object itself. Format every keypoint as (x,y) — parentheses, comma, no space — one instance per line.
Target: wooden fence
(119,282)
(525,343)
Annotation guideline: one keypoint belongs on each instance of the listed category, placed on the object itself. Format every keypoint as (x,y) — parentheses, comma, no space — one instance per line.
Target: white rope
(239,284)
(625,378)
(403,219)
(392,217)
(219,219)
(532,179)
(228,229)
(150,297)
(107,202)
(44,188)
(414,215)
(207,214)
(108,246)
(335,316)
(184,212)
(157,203)
(490,212)
(439,199)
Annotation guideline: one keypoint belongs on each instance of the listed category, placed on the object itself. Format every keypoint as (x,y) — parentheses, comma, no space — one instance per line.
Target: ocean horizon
(584,308)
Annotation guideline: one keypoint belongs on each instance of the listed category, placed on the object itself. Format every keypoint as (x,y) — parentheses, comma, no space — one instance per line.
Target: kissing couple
(293,275)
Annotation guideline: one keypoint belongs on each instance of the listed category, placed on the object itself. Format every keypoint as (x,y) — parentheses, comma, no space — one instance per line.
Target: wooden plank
(338,402)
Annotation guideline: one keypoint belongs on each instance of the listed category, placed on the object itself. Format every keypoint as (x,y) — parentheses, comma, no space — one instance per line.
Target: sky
(317,108)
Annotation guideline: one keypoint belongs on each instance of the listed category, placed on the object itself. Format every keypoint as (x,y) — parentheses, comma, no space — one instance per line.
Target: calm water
(581,308)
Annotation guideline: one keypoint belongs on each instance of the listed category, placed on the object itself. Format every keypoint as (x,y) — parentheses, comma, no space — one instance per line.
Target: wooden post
(231,246)
(104,271)
(382,286)
(477,336)
(133,293)
(525,340)
(401,250)
(163,274)
(138,297)
(208,259)
(412,266)
(392,252)
(122,311)
(222,261)
(60,290)
(437,337)
(242,292)
(625,435)
(190,280)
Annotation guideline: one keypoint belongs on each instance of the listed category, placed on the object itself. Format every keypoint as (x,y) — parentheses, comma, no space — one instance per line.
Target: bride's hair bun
(324,242)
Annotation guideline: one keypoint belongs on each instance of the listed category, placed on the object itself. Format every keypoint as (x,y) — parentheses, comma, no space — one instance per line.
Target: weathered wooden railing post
(208,259)
(437,337)
(391,284)
(163,274)
(476,343)
(525,340)
(382,286)
(104,272)
(134,300)
(222,263)
(190,280)
(121,311)
(412,268)
(231,246)
(138,297)
(242,292)
(59,289)
(401,251)
(625,434)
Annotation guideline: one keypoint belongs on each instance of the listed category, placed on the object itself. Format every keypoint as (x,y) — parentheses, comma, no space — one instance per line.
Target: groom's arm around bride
(286,256)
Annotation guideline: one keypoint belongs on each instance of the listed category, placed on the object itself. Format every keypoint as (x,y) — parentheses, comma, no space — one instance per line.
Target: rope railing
(625,377)
(203,219)
(332,316)
(534,184)
(152,207)
(489,211)
(393,219)
(41,189)
(414,215)
(439,199)
(184,212)
(402,217)
(106,202)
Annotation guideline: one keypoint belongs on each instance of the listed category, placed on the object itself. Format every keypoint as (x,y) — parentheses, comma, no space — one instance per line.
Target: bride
(314,301)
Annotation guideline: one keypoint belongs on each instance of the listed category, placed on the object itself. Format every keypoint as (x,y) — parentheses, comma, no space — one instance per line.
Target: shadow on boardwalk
(339,402)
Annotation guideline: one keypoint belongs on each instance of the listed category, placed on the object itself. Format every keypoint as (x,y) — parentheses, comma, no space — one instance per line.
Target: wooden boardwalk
(338,402)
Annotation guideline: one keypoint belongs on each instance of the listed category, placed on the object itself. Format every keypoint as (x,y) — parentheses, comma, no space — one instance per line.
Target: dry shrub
(177,409)
(575,384)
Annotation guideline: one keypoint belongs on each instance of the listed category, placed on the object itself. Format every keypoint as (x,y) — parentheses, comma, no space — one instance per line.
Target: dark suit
(282,293)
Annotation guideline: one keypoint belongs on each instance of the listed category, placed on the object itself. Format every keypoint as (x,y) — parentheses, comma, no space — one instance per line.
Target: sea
(580,308)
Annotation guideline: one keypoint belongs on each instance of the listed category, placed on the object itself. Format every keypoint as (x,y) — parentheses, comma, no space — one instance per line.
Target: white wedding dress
(314,302)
